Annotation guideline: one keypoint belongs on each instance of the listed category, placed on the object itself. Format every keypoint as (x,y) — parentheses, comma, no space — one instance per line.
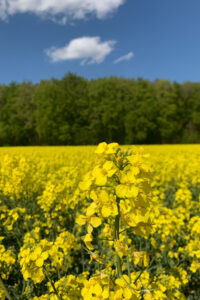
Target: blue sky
(130,38)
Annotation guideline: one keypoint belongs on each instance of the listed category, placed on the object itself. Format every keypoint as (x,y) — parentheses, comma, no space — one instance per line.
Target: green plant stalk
(52,284)
(3,287)
(82,260)
(117,221)
(127,258)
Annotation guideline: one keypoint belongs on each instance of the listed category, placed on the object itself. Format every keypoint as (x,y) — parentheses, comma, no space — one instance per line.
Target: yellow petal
(121,190)
(98,289)
(81,220)
(127,293)
(101,180)
(89,228)
(87,238)
(95,221)
(106,211)
(90,210)
(45,255)
(112,148)
(101,148)
(105,293)
(39,262)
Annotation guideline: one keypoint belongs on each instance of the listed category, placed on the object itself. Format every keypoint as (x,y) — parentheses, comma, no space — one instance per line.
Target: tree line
(77,111)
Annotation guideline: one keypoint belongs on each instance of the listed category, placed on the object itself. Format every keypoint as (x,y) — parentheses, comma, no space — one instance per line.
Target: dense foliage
(77,111)
(117,224)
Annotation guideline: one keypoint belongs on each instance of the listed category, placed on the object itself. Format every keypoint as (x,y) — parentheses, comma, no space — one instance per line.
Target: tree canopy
(77,111)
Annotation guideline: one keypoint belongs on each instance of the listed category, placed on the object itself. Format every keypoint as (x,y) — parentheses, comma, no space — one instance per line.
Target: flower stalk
(117,222)
(3,287)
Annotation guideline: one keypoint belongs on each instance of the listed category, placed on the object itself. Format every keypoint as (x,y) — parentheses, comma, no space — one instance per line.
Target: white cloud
(124,57)
(89,50)
(3,9)
(73,9)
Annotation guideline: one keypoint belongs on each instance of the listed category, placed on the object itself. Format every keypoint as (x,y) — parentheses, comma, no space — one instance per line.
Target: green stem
(127,258)
(82,260)
(118,260)
(3,287)
(138,276)
(52,284)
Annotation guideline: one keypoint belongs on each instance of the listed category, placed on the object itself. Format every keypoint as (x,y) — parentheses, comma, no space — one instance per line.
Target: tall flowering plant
(118,189)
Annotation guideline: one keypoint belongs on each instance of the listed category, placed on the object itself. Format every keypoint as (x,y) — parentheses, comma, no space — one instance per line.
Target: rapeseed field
(106,222)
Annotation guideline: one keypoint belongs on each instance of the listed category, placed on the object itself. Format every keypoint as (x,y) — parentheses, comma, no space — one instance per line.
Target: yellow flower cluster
(7,259)
(119,184)
(8,217)
(68,287)
(34,255)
